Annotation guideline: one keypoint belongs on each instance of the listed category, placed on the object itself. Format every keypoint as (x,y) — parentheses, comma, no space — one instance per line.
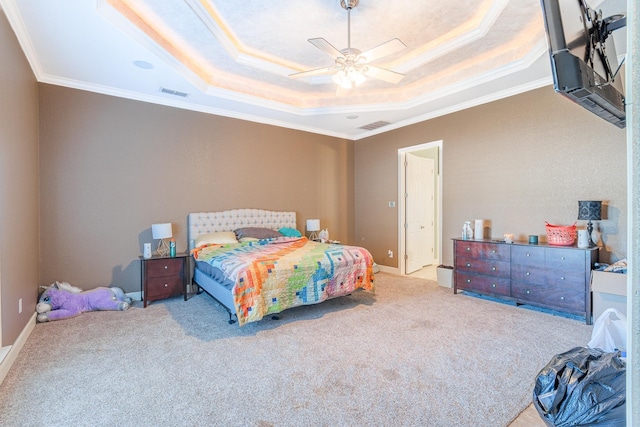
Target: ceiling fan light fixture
(340,78)
(348,78)
(356,76)
(351,67)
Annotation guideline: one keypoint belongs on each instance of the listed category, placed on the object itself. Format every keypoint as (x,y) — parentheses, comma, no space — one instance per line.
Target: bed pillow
(217,238)
(256,233)
(290,232)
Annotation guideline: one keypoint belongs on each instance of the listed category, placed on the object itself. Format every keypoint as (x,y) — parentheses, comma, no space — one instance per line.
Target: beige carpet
(413,354)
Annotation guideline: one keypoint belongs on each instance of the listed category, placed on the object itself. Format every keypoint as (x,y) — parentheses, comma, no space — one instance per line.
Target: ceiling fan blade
(386,48)
(326,47)
(316,72)
(383,74)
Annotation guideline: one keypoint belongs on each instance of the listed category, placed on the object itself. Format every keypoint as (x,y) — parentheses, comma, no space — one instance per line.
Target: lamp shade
(161,231)
(590,210)
(313,225)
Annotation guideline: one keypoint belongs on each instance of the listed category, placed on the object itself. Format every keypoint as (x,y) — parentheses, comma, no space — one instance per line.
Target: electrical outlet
(20,306)
(390,253)
(392,204)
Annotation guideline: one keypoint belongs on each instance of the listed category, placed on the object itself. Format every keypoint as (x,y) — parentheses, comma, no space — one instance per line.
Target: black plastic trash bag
(583,386)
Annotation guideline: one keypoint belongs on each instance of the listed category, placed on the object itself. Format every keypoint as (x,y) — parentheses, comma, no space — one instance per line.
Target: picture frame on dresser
(547,276)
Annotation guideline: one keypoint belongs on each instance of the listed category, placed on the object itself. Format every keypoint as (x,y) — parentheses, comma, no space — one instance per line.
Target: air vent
(174,92)
(375,125)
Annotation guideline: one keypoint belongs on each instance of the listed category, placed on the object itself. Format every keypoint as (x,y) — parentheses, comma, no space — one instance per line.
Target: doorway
(419,189)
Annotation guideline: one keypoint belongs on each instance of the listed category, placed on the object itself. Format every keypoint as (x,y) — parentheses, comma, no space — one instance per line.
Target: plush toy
(62,300)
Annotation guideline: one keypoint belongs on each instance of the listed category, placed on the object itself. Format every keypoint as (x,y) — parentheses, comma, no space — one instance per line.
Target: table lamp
(590,210)
(313,226)
(162,232)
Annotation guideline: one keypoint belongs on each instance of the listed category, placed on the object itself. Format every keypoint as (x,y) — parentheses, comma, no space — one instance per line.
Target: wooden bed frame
(209,222)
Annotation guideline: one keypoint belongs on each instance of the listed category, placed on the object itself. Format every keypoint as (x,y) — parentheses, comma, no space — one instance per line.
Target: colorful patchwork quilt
(272,275)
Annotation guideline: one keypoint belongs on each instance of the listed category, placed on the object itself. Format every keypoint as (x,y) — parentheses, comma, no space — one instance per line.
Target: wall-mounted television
(584,62)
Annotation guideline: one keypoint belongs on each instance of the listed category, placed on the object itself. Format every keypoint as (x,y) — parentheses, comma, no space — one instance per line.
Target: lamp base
(589,231)
(163,248)
(314,236)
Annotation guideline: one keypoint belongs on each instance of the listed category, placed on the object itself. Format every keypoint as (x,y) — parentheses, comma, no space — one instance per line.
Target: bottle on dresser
(467,231)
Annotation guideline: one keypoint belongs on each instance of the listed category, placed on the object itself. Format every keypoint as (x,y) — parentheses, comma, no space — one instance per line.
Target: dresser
(552,277)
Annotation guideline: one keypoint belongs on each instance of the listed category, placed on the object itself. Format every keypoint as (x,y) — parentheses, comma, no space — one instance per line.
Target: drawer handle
(468,264)
(562,298)
(493,268)
(468,248)
(562,258)
(528,292)
(166,267)
(468,280)
(494,251)
(561,278)
(493,285)
(166,285)
(527,273)
(528,255)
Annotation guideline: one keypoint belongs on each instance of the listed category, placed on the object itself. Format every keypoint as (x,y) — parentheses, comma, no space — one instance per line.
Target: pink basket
(561,235)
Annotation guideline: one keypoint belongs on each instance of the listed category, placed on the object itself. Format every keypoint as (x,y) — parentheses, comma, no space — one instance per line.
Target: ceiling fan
(352,66)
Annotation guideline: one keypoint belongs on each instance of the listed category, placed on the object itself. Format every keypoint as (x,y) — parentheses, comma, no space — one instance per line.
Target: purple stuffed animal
(61,302)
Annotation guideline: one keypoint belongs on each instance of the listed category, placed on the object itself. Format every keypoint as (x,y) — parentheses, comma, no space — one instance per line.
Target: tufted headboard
(209,222)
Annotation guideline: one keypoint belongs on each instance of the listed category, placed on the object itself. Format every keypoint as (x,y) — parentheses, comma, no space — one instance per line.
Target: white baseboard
(392,270)
(3,353)
(14,349)
(136,296)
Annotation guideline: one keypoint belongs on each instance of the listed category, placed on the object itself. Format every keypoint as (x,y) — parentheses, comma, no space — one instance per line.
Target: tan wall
(518,162)
(111,167)
(18,185)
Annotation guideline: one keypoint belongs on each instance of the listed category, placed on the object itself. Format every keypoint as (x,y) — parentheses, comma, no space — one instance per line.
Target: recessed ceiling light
(352,117)
(143,64)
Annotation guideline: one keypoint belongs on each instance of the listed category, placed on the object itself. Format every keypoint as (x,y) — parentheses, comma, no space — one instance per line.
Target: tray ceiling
(233,58)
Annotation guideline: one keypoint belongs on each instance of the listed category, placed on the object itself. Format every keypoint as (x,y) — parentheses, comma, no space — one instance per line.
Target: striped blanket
(272,275)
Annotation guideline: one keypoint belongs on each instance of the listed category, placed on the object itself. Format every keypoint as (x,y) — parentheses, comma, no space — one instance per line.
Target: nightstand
(164,277)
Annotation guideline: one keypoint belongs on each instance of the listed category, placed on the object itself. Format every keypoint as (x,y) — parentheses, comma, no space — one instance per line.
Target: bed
(256,263)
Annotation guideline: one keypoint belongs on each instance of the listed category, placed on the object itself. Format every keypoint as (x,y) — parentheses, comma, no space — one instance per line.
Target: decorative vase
(583,239)
(479,229)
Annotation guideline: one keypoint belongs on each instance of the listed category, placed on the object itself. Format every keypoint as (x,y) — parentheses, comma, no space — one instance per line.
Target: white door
(419,212)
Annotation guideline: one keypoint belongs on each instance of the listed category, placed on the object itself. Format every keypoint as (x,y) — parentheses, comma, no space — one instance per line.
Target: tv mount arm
(610,24)
(598,34)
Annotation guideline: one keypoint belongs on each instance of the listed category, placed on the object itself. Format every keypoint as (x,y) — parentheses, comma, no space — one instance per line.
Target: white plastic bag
(610,332)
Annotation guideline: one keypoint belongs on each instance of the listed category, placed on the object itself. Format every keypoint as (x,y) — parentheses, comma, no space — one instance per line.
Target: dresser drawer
(484,284)
(164,287)
(529,274)
(549,296)
(163,267)
(483,266)
(484,250)
(564,259)
(569,279)
(527,255)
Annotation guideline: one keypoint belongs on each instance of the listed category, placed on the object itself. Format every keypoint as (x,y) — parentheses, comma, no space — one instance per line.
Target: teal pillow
(290,232)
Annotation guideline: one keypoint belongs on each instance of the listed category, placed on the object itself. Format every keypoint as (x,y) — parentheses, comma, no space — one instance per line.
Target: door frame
(401,201)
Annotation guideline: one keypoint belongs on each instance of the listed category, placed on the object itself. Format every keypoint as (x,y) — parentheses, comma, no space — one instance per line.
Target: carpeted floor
(413,354)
